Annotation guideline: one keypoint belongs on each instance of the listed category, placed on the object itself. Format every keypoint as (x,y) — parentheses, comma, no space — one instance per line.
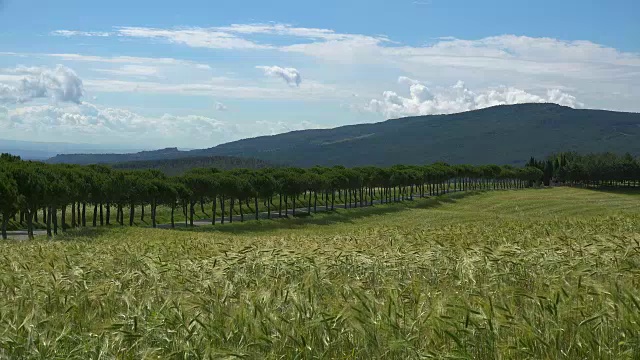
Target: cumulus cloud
(458,98)
(60,84)
(220,106)
(290,75)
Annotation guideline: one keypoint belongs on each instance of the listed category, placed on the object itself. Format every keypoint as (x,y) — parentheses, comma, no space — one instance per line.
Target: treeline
(173,167)
(592,170)
(72,190)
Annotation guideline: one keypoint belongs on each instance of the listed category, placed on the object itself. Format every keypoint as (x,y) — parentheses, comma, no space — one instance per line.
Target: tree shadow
(613,190)
(326,218)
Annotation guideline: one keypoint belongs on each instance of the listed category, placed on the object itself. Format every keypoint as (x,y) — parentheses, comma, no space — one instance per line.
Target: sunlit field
(525,274)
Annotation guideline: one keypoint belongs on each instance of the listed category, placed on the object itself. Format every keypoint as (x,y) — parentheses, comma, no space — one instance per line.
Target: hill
(180,165)
(507,134)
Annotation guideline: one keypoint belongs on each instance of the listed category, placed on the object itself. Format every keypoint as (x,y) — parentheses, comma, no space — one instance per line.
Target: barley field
(527,274)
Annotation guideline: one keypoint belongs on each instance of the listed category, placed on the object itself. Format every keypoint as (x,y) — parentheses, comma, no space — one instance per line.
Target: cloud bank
(457,98)
(87,122)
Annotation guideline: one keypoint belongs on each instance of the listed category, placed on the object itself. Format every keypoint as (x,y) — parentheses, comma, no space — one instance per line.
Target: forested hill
(84,159)
(178,166)
(508,134)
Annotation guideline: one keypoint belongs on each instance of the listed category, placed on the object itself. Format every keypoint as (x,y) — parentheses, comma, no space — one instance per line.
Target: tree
(9,197)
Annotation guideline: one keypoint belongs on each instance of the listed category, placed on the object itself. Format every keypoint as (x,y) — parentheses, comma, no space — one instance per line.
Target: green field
(527,274)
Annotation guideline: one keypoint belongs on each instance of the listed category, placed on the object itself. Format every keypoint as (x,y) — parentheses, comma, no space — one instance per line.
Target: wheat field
(527,274)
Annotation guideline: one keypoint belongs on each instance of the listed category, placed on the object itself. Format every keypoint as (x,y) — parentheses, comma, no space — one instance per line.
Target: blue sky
(199,73)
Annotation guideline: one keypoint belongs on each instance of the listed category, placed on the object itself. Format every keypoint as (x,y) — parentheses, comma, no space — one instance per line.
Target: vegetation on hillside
(507,134)
(173,167)
(604,169)
(528,274)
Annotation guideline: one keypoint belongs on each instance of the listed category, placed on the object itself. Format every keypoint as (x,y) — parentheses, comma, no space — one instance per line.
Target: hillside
(508,134)
(180,165)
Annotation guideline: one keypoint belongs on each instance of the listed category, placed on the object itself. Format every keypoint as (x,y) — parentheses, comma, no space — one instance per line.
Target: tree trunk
(64,217)
(29,216)
(84,214)
(231,203)
(55,221)
(333,199)
(5,223)
(268,209)
(222,214)
(101,215)
(95,214)
(184,211)
(142,213)
(34,216)
(108,214)
(191,211)
(257,211)
(132,213)
(213,211)
(202,205)
(241,213)
(48,217)
(280,207)
(173,208)
(153,213)
(73,214)
(315,201)
(346,197)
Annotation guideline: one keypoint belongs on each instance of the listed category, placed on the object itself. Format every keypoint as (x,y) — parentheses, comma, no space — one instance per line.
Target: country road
(22,234)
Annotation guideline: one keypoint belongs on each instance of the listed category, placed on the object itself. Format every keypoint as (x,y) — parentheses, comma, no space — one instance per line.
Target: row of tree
(593,170)
(66,192)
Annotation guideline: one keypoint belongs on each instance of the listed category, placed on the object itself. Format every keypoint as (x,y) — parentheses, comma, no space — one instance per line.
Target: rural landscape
(360,179)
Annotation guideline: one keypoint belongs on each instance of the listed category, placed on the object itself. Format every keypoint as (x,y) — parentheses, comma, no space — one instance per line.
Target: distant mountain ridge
(506,134)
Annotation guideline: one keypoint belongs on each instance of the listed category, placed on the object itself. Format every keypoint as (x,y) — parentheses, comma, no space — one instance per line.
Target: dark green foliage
(173,167)
(603,169)
(497,135)
(32,186)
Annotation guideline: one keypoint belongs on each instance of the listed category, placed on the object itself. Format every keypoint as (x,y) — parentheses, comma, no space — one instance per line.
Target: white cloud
(220,106)
(133,70)
(458,98)
(278,127)
(194,37)
(593,71)
(146,61)
(60,84)
(8,94)
(290,75)
(307,91)
(69,33)
(89,122)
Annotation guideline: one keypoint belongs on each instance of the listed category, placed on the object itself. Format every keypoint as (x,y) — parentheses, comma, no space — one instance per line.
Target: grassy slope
(512,274)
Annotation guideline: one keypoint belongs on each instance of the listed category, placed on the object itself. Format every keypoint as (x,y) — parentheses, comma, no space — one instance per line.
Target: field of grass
(527,274)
